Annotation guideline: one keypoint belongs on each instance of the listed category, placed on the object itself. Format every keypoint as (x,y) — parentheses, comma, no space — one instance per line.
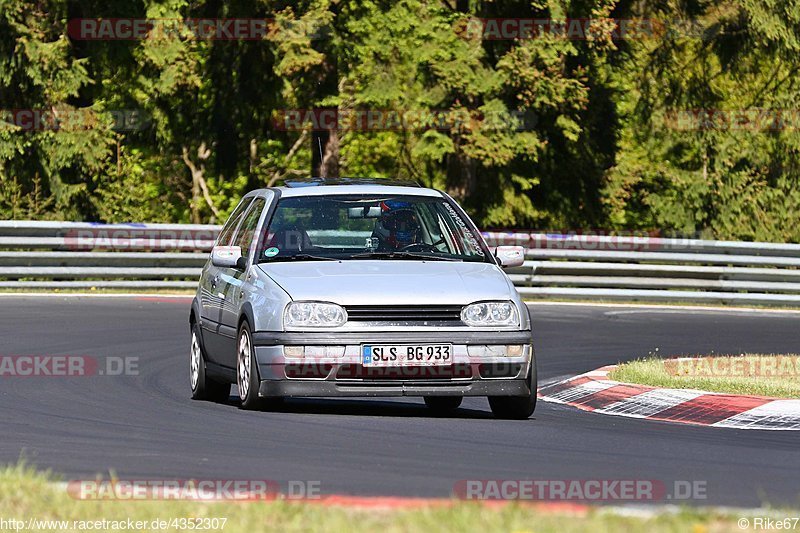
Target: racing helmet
(398,225)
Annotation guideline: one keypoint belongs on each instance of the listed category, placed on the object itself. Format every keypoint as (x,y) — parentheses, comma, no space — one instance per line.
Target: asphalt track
(146,426)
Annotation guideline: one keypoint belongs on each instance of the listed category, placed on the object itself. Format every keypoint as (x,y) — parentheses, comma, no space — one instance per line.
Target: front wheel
(247,370)
(516,407)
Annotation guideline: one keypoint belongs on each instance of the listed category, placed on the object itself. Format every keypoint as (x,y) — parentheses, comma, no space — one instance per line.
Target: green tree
(50,143)
(699,153)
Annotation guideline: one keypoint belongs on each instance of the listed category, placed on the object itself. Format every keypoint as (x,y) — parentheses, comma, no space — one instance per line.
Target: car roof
(376,186)
(315,182)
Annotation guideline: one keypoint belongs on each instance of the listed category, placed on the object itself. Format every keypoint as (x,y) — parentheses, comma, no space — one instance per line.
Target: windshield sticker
(271,252)
(465,231)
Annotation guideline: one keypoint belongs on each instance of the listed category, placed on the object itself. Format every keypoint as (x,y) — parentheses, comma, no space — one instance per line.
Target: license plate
(406,354)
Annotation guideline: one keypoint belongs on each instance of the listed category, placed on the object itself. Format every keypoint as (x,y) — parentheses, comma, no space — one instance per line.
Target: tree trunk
(329,166)
(462,176)
(195,204)
(199,186)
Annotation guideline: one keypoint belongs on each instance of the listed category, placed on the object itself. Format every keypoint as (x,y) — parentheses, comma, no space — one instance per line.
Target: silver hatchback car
(360,288)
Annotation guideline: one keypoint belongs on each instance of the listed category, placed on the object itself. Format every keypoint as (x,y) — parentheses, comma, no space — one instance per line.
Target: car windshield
(369,227)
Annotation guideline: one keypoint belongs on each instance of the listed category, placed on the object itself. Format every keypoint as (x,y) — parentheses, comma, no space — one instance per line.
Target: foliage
(549,132)
(730,172)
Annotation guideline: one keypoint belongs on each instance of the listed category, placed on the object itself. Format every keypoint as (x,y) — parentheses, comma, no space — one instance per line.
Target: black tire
(517,407)
(203,388)
(443,404)
(247,370)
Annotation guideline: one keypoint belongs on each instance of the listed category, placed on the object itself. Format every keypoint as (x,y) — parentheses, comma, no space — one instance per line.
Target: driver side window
(244,237)
(225,235)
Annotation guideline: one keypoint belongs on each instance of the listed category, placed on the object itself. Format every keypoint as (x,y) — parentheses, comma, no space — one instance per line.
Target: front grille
(410,373)
(405,313)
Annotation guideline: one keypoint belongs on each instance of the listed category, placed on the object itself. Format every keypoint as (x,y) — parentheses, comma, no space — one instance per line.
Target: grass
(772,375)
(26,493)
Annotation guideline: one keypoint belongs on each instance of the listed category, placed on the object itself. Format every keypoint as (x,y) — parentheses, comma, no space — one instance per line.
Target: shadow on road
(359,407)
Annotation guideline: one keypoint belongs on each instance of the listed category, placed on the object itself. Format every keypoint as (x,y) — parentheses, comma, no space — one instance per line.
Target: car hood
(390,282)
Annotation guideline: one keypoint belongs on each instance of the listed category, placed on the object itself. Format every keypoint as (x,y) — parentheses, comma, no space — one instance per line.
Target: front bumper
(343,375)
(308,388)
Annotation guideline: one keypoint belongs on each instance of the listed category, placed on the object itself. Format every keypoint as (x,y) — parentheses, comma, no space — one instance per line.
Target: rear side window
(225,235)
(244,237)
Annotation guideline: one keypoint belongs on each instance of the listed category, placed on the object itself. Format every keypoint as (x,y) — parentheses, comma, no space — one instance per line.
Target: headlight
(490,314)
(314,314)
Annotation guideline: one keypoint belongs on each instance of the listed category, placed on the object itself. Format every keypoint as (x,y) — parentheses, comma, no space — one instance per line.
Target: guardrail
(60,255)
(79,255)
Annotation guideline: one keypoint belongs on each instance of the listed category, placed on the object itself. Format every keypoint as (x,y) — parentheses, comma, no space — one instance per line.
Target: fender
(247,313)
(195,309)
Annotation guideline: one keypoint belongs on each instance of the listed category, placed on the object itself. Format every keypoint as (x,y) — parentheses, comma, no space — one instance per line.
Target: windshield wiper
(298,257)
(401,255)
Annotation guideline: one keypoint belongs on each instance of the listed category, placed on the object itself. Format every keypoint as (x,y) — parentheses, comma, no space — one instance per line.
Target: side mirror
(510,256)
(227,257)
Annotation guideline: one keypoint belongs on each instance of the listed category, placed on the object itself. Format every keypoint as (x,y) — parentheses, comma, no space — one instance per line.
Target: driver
(398,226)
